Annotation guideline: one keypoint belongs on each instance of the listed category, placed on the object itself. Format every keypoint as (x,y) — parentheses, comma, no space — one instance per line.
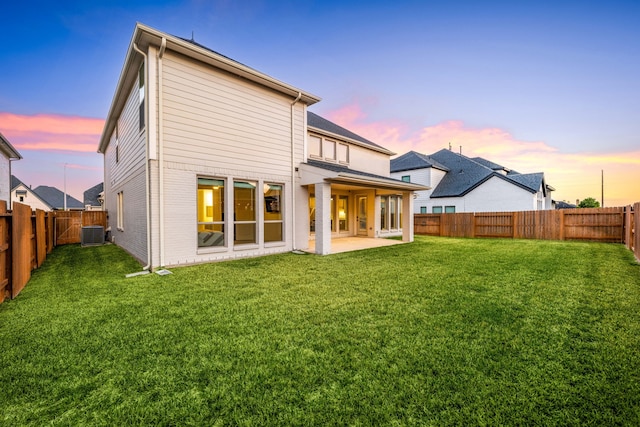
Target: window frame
(213,223)
(280,210)
(406,178)
(423,209)
(449,209)
(243,223)
(436,209)
(120,211)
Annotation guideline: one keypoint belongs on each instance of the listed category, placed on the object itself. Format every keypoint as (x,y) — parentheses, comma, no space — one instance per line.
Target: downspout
(163,47)
(146,157)
(293,175)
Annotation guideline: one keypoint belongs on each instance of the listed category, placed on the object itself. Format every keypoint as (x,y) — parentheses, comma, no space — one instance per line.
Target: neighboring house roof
(92,194)
(414,160)
(343,174)
(564,205)
(55,198)
(491,165)
(144,36)
(9,151)
(315,122)
(16,182)
(465,174)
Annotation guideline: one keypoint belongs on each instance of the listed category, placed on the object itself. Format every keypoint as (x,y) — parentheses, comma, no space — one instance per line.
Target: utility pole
(602,188)
(65,186)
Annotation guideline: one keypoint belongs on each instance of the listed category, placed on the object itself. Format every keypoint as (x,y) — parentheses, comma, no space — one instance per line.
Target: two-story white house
(462,184)
(207,159)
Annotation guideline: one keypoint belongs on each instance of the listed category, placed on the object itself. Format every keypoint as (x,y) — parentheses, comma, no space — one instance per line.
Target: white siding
(127,175)
(5,179)
(212,118)
(369,161)
(494,195)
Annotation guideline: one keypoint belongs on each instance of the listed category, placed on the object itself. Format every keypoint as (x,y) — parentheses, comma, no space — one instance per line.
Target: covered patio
(348,244)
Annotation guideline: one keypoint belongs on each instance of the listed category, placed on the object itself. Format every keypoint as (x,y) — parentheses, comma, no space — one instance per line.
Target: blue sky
(533,85)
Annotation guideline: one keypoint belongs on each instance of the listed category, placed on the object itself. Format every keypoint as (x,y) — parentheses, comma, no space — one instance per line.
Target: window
(210,212)
(406,178)
(141,95)
(315,146)
(329,150)
(390,213)
(449,209)
(393,205)
(120,211)
(343,153)
(22,198)
(343,213)
(117,145)
(423,209)
(383,213)
(244,212)
(436,209)
(312,213)
(273,229)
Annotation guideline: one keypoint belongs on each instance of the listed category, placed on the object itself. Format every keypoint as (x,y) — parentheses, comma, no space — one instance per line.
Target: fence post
(562,236)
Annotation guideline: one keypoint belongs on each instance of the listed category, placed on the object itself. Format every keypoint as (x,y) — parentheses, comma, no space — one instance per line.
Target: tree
(589,202)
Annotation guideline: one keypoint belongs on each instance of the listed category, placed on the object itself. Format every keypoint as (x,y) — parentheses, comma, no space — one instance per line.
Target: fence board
(21,256)
(40,237)
(5,253)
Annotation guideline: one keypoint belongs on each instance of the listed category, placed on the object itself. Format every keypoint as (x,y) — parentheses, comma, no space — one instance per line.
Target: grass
(437,332)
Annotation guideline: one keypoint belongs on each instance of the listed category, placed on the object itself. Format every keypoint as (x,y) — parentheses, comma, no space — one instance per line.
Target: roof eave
(9,149)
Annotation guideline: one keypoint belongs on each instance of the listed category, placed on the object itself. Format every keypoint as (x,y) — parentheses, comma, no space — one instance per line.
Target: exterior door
(362,215)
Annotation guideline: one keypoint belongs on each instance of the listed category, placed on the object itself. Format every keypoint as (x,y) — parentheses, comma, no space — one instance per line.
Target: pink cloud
(48,132)
(574,175)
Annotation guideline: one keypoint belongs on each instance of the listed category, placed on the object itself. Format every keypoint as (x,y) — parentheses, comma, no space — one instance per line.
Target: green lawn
(437,332)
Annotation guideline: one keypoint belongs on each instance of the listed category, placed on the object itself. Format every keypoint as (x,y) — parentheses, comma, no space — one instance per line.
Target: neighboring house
(463,184)
(207,159)
(22,193)
(7,154)
(55,198)
(94,198)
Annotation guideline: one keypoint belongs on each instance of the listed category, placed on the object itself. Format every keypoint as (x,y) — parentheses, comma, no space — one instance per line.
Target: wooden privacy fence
(27,237)
(632,229)
(599,224)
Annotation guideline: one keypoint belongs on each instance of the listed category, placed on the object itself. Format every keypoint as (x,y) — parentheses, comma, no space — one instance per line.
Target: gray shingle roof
(321,123)
(15,182)
(91,195)
(414,160)
(55,198)
(463,173)
(530,180)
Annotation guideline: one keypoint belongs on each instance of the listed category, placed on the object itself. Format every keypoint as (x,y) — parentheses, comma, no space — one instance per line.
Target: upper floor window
(436,209)
(343,153)
(315,146)
(406,178)
(141,95)
(327,149)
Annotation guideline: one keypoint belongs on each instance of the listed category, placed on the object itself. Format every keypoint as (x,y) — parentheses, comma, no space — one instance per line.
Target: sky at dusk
(536,86)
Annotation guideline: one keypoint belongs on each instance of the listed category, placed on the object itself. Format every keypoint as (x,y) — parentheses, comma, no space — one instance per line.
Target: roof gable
(144,36)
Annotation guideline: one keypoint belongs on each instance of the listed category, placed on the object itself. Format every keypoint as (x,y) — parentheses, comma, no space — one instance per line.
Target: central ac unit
(92,235)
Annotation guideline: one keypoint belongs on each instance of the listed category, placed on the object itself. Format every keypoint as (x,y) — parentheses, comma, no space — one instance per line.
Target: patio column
(323,218)
(407,216)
